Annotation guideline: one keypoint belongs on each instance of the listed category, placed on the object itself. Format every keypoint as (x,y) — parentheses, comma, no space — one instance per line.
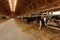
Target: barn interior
(30,19)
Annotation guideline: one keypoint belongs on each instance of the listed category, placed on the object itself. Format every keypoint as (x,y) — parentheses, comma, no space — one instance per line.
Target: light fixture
(56,13)
(12,4)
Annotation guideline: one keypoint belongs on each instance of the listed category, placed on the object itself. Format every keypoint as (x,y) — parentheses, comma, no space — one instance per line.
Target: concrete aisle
(9,31)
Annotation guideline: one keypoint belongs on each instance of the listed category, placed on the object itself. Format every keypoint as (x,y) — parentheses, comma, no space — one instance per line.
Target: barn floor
(39,34)
(18,30)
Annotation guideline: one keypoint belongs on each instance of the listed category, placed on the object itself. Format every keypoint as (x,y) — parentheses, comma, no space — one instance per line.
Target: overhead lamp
(56,13)
(12,4)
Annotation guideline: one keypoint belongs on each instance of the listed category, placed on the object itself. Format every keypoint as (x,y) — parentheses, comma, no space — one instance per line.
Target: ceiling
(27,6)
(4,7)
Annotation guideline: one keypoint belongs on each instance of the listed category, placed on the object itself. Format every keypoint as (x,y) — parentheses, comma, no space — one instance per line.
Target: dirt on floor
(42,34)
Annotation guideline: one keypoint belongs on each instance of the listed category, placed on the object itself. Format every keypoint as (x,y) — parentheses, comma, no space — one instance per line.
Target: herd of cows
(42,19)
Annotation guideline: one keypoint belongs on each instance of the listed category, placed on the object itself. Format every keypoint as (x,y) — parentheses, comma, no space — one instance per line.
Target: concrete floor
(18,30)
(9,31)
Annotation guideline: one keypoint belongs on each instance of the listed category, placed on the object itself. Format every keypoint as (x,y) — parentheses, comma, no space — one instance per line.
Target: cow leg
(40,25)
